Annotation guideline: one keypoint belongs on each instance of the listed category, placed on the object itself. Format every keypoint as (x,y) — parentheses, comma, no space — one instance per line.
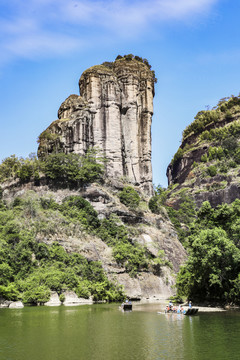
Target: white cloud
(50,27)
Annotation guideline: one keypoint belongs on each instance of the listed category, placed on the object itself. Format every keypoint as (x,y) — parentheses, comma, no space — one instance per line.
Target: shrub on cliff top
(130,57)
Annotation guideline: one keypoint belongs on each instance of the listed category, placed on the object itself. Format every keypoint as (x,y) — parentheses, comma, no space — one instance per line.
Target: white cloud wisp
(53,27)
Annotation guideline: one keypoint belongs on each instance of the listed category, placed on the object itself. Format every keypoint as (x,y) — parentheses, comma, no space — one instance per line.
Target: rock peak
(114,114)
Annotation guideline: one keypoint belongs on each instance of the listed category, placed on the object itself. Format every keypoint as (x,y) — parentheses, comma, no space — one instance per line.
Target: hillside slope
(135,248)
(207,163)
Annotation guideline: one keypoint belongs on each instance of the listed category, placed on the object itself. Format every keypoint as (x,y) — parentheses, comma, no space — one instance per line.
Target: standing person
(190,305)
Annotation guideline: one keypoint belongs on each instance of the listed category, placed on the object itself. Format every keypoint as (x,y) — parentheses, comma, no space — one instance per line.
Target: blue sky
(45,45)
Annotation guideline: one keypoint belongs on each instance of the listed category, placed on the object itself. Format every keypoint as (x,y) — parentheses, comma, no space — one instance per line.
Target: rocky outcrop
(54,299)
(16,305)
(71,299)
(206,166)
(153,232)
(11,304)
(113,114)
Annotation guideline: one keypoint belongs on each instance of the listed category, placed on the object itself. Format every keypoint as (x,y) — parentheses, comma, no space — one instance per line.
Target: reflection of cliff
(113,113)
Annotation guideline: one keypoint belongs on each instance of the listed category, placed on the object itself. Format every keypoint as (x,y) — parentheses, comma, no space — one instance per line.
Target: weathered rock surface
(155,232)
(71,299)
(190,174)
(4,303)
(11,304)
(54,300)
(113,114)
(16,305)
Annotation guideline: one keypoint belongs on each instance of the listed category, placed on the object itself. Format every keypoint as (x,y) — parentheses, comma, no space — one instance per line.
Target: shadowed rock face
(113,114)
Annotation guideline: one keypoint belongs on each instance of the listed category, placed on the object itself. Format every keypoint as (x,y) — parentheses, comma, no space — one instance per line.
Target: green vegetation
(213,266)
(48,136)
(185,214)
(211,238)
(61,170)
(129,197)
(29,269)
(131,57)
(225,109)
(216,131)
(178,156)
(212,170)
(157,201)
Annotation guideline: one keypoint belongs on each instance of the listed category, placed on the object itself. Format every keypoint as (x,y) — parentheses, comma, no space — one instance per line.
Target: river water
(103,332)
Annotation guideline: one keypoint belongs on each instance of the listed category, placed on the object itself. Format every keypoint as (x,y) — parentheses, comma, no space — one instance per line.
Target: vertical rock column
(100,88)
(136,83)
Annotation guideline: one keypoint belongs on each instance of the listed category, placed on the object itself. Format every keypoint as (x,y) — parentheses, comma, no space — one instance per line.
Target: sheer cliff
(206,166)
(113,114)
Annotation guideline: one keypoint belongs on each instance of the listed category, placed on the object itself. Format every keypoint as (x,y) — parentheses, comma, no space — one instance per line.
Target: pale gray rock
(54,300)
(4,303)
(16,305)
(114,115)
(71,299)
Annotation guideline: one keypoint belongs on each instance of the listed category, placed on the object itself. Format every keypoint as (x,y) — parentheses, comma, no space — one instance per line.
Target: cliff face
(207,164)
(113,114)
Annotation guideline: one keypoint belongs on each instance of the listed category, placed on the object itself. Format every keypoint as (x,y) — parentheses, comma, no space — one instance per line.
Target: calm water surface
(104,332)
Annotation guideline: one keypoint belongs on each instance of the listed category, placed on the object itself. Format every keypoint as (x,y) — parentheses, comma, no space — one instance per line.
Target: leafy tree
(73,169)
(9,292)
(9,167)
(213,264)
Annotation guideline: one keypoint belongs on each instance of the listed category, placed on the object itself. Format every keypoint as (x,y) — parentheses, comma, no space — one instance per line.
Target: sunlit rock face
(114,115)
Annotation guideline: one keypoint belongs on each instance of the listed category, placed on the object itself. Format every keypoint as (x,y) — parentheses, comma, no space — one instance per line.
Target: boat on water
(126,306)
(190,311)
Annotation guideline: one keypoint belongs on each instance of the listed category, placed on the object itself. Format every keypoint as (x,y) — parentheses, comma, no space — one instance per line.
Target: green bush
(204,158)
(178,156)
(237,156)
(154,205)
(36,295)
(62,298)
(83,289)
(129,197)
(80,209)
(212,170)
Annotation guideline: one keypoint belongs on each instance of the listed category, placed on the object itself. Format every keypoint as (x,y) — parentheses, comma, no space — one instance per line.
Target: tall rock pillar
(113,114)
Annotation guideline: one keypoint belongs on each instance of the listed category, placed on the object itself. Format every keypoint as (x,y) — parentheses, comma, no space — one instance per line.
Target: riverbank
(160,305)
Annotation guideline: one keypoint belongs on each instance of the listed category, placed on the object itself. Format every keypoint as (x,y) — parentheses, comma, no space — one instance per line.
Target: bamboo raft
(126,307)
(191,311)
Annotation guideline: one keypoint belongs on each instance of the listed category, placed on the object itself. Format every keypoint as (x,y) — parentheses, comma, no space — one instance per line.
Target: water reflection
(104,332)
